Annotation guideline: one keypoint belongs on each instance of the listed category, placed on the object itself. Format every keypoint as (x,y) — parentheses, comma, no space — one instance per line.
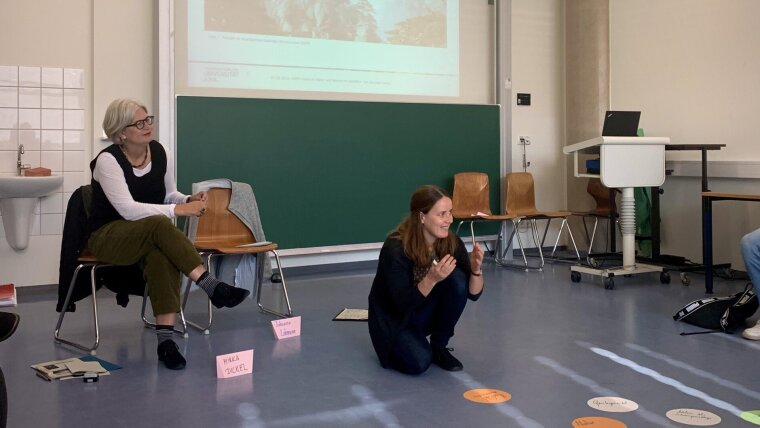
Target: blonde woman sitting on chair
(134,201)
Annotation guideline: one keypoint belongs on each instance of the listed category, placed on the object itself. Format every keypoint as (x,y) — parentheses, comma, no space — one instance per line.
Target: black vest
(149,188)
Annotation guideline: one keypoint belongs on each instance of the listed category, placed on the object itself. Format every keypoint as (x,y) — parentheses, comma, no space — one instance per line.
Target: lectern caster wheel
(685,280)
(665,277)
(575,276)
(609,283)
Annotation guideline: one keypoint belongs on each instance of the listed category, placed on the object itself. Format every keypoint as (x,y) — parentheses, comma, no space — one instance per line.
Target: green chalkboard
(333,172)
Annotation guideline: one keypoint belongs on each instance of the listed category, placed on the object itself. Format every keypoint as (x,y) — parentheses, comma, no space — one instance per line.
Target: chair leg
(566,224)
(534,227)
(149,324)
(57,335)
(572,238)
(556,241)
(593,235)
(505,246)
(206,329)
(458,227)
(260,277)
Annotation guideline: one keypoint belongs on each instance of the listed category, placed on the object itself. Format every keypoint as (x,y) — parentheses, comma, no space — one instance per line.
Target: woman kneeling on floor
(424,278)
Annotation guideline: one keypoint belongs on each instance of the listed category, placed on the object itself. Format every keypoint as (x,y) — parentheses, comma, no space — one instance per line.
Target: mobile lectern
(624,163)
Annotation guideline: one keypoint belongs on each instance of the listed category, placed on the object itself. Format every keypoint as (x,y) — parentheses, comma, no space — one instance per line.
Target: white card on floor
(287,327)
(234,364)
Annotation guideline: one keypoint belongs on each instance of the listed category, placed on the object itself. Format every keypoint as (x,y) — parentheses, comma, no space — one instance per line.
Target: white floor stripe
(352,416)
(664,379)
(602,391)
(696,371)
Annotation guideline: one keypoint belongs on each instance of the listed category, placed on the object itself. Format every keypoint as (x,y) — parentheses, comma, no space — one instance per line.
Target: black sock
(164,333)
(207,283)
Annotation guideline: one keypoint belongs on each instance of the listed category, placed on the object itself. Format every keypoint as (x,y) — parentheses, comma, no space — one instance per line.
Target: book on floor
(8,295)
(352,315)
(72,368)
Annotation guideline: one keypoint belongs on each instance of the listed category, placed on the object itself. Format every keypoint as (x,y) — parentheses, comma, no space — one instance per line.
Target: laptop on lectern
(621,123)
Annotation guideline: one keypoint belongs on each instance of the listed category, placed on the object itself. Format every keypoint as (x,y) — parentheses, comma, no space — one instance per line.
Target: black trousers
(436,317)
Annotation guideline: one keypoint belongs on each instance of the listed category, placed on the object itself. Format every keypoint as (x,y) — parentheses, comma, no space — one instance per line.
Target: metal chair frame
(470,196)
(528,211)
(94,265)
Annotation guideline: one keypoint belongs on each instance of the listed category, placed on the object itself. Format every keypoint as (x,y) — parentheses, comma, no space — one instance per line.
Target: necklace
(141,164)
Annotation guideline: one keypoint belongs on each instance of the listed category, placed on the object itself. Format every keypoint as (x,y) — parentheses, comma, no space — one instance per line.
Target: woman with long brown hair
(424,278)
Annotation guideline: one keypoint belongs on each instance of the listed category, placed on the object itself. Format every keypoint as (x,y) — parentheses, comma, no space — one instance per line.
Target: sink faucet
(19,166)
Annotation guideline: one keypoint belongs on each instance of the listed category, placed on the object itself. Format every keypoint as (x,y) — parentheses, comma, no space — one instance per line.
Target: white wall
(112,41)
(694,73)
(538,69)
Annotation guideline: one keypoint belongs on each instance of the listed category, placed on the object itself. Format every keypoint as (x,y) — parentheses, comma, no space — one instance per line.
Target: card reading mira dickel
(234,364)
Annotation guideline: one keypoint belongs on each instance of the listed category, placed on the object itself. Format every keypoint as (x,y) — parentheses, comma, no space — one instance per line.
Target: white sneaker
(752,333)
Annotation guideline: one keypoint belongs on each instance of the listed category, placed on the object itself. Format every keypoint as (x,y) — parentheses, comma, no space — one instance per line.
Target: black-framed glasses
(140,124)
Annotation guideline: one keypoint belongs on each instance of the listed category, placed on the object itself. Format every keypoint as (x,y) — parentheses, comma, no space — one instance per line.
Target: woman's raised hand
(476,258)
(443,268)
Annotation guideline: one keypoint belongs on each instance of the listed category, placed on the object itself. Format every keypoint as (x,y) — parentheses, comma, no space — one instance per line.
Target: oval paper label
(612,404)
(487,396)
(598,422)
(752,416)
(696,417)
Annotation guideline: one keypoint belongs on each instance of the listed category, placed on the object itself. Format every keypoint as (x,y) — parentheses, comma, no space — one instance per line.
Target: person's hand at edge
(476,259)
(195,208)
(201,196)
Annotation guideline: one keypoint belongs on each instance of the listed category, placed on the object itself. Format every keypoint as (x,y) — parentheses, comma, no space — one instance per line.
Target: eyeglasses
(140,124)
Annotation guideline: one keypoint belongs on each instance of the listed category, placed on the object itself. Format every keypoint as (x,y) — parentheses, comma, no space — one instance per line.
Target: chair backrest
(601,195)
(219,224)
(470,194)
(521,198)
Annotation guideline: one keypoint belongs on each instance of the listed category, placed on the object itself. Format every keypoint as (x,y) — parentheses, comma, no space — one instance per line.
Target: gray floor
(551,344)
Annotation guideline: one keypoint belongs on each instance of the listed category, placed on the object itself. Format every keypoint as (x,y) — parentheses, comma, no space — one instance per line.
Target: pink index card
(287,327)
(234,364)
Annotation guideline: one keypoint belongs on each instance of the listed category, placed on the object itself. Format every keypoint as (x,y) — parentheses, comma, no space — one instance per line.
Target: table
(656,195)
(707,249)
(625,163)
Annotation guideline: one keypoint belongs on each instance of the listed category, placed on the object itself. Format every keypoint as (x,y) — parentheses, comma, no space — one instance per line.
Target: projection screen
(370,50)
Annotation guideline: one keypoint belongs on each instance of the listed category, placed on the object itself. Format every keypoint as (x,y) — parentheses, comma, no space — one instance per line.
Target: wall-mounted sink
(18,197)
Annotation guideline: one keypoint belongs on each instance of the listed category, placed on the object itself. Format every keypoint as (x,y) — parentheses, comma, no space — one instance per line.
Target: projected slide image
(406,22)
(360,46)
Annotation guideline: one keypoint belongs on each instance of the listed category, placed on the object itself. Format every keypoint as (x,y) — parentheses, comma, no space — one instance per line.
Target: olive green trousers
(158,246)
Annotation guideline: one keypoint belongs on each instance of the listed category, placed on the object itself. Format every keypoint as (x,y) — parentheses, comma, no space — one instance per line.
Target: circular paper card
(696,417)
(612,404)
(598,422)
(487,396)
(752,416)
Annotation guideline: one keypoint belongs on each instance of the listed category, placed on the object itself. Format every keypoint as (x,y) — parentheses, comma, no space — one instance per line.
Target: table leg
(707,250)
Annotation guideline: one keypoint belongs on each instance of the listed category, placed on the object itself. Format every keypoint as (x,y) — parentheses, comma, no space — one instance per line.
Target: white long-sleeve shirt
(109,174)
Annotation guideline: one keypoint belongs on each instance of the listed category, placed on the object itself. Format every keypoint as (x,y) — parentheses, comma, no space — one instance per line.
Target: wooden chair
(471,202)
(220,233)
(521,201)
(601,195)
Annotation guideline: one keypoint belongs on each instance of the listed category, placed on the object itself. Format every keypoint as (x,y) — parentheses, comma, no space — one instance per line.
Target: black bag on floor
(720,313)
